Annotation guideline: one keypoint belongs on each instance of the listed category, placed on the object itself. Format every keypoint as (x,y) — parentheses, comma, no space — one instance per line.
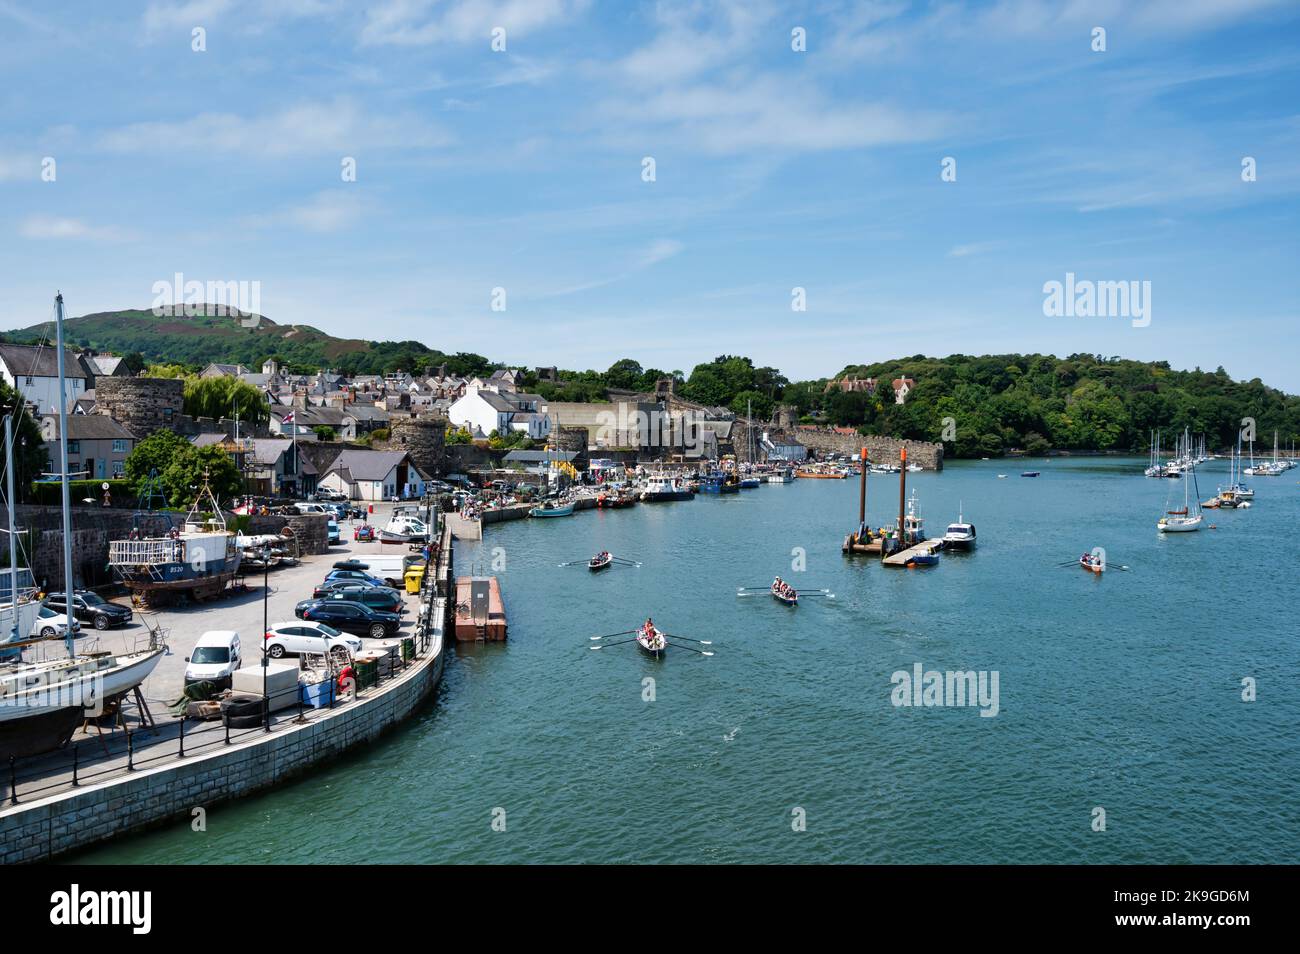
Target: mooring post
(902,493)
(862,495)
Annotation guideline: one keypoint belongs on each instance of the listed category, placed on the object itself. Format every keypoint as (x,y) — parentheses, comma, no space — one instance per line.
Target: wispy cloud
(424,22)
(342,126)
(324,212)
(16,167)
(161,17)
(656,252)
(50,227)
(974,248)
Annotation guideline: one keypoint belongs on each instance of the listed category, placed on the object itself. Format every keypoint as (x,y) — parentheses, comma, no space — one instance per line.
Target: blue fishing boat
(552,508)
(716,482)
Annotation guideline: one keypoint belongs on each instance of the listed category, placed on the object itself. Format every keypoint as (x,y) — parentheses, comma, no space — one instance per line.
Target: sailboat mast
(68,589)
(14,635)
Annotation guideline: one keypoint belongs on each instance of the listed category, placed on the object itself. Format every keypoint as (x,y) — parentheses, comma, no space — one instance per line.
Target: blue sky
(522,169)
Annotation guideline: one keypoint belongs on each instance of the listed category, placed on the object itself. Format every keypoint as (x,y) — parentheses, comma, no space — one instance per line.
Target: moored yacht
(960,535)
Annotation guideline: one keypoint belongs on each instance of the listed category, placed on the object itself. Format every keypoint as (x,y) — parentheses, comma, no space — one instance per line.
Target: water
(1121,692)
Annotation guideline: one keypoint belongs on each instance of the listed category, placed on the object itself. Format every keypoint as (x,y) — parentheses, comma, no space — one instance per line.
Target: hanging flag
(288,418)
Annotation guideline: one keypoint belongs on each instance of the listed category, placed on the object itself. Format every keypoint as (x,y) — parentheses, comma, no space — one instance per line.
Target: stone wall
(93,813)
(142,405)
(93,528)
(880,450)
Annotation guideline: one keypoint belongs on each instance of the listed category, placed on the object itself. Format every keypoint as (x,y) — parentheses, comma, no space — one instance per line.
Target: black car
(376,597)
(350,617)
(91,608)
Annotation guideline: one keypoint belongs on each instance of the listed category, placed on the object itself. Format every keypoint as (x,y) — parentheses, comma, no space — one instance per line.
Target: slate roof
(40,362)
(367,464)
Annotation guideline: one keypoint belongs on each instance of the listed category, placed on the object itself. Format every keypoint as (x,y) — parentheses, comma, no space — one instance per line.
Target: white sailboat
(41,703)
(1184,520)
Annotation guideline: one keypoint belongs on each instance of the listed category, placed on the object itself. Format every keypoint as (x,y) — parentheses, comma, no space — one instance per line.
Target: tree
(224,397)
(30,452)
(153,454)
(324,432)
(184,475)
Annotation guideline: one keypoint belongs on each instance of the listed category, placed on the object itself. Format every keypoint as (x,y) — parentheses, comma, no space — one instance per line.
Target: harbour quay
(103,786)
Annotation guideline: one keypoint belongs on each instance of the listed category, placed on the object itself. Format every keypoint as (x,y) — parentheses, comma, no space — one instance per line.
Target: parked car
(376,597)
(49,624)
(307,636)
(351,617)
(356,576)
(365,533)
(333,532)
(215,658)
(91,608)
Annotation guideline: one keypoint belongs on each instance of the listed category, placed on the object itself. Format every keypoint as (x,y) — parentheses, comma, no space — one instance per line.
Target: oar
(619,643)
(623,562)
(825,593)
(609,635)
(574,563)
(702,652)
(702,642)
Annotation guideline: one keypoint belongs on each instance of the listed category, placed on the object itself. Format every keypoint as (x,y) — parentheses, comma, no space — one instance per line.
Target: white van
(215,658)
(387,567)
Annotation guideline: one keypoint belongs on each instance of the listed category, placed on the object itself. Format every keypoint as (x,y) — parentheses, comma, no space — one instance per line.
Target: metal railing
(125,751)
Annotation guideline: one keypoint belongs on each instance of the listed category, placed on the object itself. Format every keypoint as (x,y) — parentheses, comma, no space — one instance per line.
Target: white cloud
(13,167)
(422,22)
(42,227)
(325,212)
(973,248)
(161,17)
(341,126)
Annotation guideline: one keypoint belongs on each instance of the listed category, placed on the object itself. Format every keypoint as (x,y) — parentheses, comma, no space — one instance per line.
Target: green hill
(201,340)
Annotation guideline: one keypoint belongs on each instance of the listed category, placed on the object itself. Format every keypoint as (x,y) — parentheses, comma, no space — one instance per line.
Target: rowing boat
(789,598)
(650,641)
(599,562)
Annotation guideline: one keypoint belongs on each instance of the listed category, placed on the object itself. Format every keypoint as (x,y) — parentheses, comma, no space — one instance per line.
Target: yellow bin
(414,577)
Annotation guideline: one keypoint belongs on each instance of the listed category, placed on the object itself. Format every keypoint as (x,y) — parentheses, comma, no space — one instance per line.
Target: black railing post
(13,782)
(181,755)
(76,748)
(130,750)
(333,684)
(225,721)
(266,707)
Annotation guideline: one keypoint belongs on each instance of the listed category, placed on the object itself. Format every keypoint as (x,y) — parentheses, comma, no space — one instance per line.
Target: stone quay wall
(93,528)
(44,829)
(880,450)
(142,405)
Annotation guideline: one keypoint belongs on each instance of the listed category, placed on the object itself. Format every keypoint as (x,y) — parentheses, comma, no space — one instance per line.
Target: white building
(373,475)
(34,373)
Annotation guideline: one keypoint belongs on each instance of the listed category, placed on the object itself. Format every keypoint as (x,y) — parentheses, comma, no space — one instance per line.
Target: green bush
(50,493)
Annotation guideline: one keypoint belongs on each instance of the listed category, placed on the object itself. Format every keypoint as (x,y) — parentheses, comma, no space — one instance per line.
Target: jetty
(480,612)
(926,550)
(862,540)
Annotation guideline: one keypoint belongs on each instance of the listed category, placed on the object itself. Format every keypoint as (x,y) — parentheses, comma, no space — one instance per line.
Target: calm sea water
(1121,692)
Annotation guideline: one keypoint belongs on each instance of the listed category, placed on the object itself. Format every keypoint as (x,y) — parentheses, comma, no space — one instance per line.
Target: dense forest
(987,405)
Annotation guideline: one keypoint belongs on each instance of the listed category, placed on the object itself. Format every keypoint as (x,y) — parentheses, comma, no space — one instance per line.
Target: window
(119,468)
(167,414)
(119,446)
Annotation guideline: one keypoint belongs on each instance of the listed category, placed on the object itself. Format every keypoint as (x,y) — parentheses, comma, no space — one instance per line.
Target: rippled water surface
(1121,692)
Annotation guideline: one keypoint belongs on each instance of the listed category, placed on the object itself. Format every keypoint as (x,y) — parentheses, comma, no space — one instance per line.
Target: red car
(365,532)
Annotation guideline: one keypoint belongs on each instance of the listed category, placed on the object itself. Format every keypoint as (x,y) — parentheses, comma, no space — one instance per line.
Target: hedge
(50,493)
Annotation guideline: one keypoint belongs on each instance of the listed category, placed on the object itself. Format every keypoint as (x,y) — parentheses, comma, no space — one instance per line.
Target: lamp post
(266,628)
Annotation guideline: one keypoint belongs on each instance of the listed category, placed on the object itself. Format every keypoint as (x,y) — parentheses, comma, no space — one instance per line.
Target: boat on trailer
(196,559)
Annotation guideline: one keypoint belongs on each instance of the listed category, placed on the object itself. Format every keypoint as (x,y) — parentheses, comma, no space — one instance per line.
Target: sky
(921,171)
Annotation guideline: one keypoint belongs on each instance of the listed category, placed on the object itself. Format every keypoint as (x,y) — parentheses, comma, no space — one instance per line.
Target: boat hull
(595,566)
(565,511)
(785,600)
(660,496)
